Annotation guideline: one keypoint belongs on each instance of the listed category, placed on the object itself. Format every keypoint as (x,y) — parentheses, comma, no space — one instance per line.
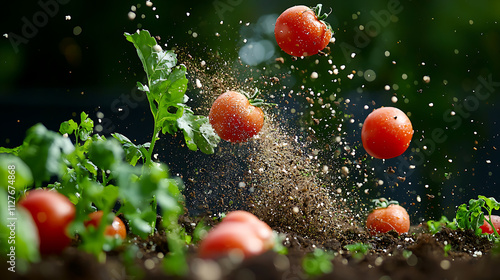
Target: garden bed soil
(469,257)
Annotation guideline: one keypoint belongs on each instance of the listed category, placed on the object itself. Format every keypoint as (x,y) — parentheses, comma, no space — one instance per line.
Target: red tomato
(299,32)
(234,119)
(227,237)
(386,133)
(239,230)
(486,227)
(393,217)
(261,229)
(117,227)
(52,213)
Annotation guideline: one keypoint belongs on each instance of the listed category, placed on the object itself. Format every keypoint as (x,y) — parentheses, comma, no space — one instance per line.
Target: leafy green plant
(358,250)
(318,262)
(278,243)
(472,217)
(166,91)
(436,226)
(446,249)
(97,173)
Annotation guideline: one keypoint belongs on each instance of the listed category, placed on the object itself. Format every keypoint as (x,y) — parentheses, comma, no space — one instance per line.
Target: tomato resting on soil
(486,227)
(52,213)
(234,118)
(386,133)
(117,227)
(384,219)
(261,229)
(300,31)
(239,231)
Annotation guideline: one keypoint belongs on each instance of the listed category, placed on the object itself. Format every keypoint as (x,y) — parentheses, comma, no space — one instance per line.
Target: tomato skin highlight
(393,217)
(52,213)
(234,119)
(298,32)
(486,227)
(239,230)
(117,227)
(386,133)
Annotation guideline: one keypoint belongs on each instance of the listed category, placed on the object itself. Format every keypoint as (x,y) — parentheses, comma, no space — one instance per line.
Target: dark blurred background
(438,61)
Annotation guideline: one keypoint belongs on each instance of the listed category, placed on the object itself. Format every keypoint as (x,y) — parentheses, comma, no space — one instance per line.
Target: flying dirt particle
(344,170)
(131,15)
(426,79)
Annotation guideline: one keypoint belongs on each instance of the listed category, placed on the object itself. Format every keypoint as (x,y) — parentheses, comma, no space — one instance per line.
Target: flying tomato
(236,117)
(301,31)
(386,133)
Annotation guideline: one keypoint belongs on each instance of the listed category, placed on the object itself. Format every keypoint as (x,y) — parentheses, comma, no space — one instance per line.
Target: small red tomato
(392,217)
(117,227)
(227,237)
(52,212)
(234,119)
(386,133)
(261,229)
(486,227)
(300,31)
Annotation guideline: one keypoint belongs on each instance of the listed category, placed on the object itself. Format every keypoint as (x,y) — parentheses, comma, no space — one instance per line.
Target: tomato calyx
(383,202)
(322,17)
(255,100)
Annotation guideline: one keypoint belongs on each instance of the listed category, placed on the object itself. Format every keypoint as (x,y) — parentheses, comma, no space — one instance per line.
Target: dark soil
(390,258)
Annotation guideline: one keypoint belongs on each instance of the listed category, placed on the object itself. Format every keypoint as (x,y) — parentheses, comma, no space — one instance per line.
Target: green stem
(157,127)
(104,179)
(149,159)
(154,205)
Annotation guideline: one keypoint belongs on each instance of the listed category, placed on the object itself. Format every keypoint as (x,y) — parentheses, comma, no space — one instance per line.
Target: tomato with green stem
(116,229)
(386,133)
(387,216)
(302,31)
(237,117)
(52,213)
